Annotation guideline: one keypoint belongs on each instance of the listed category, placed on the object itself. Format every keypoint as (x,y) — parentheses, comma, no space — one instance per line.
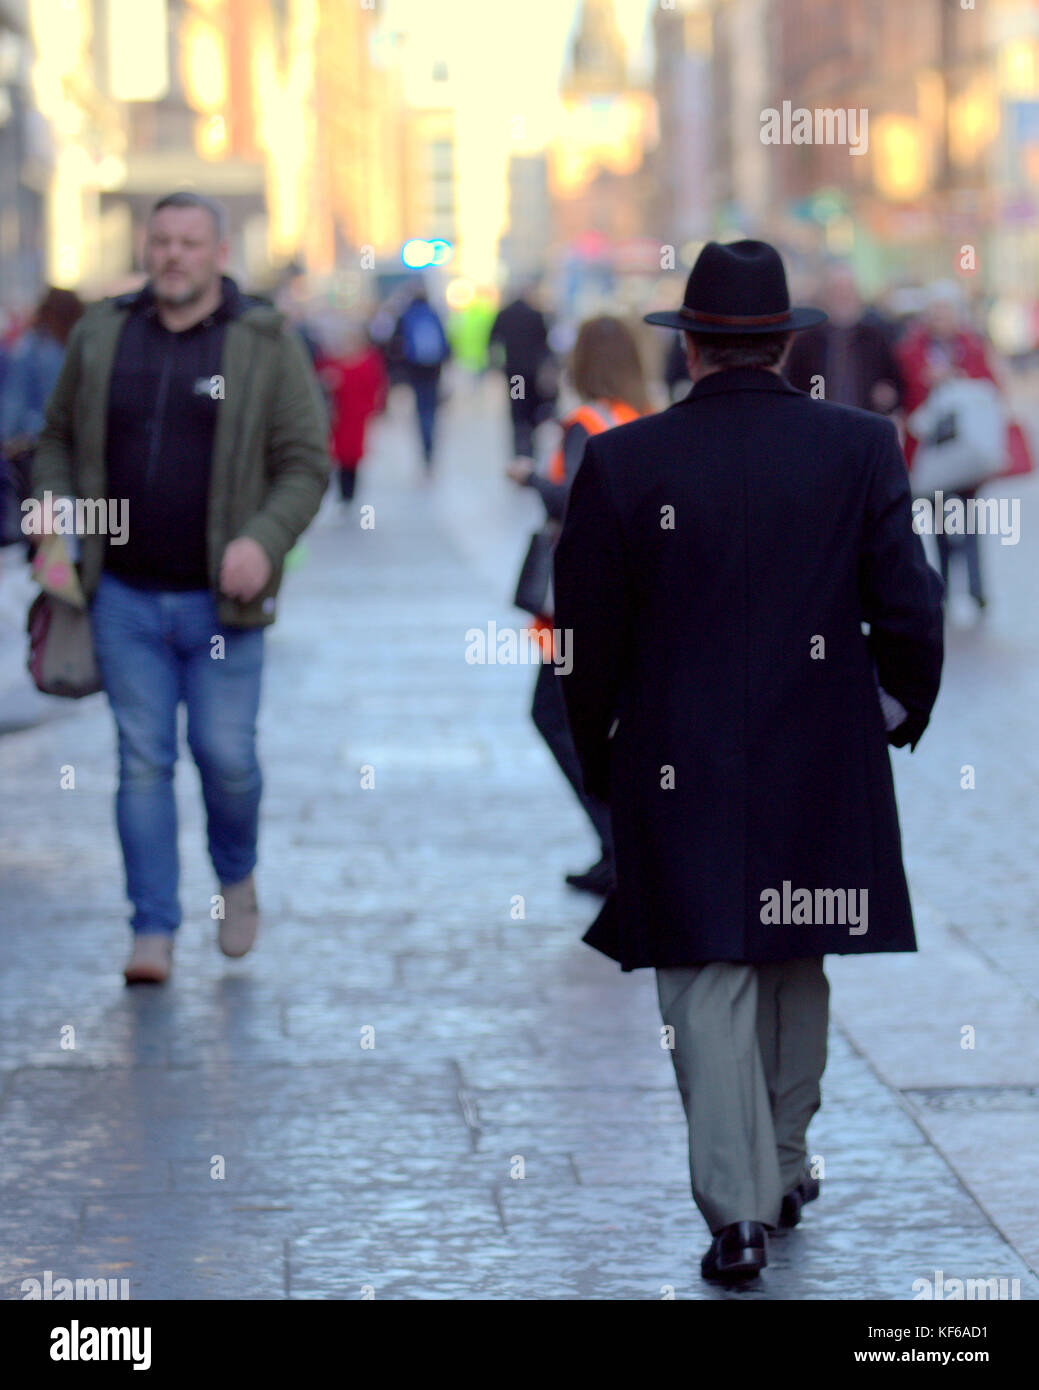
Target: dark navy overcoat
(716,568)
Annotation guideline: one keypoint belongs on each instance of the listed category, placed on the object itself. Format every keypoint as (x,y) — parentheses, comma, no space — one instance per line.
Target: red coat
(356,389)
(969,354)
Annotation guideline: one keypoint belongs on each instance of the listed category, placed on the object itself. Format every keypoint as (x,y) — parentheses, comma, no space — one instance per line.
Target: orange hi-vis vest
(595,419)
(603,415)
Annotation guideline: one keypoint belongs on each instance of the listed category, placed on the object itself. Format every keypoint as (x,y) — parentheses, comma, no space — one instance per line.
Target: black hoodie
(163,405)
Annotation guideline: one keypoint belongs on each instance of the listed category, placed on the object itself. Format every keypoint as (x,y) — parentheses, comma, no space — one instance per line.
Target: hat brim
(798,319)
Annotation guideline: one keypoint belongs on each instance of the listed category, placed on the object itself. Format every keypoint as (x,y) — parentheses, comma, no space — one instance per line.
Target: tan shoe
(151,959)
(241,919)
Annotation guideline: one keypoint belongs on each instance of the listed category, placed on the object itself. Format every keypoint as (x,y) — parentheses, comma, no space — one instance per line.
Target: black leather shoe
(599,879)
(737,1252)
(790,1213)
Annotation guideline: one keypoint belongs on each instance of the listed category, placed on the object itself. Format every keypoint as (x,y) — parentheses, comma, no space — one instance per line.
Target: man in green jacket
(194,412)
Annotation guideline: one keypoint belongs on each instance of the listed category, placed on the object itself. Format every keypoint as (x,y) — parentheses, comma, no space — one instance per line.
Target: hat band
(736,320)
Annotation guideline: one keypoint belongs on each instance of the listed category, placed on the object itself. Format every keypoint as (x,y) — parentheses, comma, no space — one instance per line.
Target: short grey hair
(186,199)
(741,349)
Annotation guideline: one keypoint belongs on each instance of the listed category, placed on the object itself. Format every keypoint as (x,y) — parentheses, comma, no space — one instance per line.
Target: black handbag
(534,586)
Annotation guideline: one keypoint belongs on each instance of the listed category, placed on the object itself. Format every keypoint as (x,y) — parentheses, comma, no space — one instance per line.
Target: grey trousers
(749,1050)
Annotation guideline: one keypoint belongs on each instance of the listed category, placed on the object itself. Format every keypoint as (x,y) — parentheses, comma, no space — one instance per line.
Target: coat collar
(740,379)
(251,310)
(232,301)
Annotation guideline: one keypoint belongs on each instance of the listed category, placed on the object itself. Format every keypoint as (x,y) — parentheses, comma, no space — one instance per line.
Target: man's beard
(180,299)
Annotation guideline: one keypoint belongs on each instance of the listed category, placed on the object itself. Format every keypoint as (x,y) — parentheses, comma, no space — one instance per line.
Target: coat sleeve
(900,595)
(52,467)
(593,603)
(297,455)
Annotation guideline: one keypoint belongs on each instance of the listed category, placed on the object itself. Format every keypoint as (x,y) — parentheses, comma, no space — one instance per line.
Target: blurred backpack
(425,343)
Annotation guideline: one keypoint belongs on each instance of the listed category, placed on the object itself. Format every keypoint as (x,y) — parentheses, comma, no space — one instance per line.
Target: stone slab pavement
(410,1088)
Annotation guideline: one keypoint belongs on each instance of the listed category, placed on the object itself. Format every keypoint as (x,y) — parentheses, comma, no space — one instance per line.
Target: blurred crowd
(888,356)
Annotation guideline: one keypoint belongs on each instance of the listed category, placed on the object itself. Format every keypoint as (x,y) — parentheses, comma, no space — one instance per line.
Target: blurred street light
(900,163)
(418,253)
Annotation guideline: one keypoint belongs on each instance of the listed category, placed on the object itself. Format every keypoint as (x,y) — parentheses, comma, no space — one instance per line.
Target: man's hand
(245,569)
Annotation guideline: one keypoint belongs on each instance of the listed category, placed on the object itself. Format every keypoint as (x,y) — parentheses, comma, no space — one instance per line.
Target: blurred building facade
(280,108)
(740,186)
(329,135)
(682,85)
(523,250)
(952,96)
(24,160)
(600,178)
(602,181)
(180,70)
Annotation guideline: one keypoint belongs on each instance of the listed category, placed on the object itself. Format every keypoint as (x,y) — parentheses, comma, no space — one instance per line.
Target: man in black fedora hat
(717,569)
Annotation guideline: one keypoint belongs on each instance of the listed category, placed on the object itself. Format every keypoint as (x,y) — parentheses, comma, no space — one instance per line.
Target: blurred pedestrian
(292,298)
(354,380)
(34,362)
(469,332)
(606,373)
(420,343)
(197,410)
(716,566)
(849,357)
(519,345)
(380,333)
(938,349)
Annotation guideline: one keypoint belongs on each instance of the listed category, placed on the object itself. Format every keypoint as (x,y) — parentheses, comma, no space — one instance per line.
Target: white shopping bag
(962,431)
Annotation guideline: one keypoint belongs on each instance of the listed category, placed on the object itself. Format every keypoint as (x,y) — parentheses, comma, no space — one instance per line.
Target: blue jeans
(425,382)
(154,650)
(967,546)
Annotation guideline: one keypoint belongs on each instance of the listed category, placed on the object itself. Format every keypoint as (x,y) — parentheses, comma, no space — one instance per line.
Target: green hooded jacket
(270,459)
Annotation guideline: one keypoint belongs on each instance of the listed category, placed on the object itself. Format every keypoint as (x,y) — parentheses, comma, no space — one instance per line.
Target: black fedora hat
(736,289)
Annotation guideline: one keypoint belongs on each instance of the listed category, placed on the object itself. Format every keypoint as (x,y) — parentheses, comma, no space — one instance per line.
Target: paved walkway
(514,1131)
